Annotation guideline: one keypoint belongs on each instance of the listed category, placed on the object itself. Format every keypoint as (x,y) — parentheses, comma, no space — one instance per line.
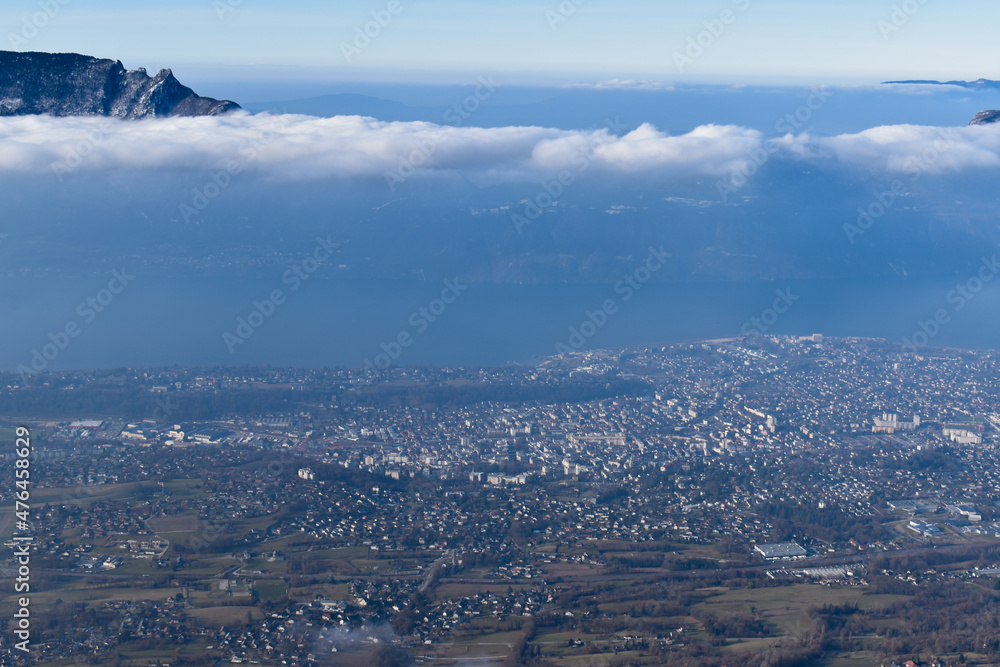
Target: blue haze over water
(328,322)
(171,317)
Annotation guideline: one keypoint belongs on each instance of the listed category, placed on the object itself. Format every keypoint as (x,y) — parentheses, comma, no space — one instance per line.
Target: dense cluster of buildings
(781,447)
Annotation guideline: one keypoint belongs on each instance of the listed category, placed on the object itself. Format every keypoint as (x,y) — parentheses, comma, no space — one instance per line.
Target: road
(434,568)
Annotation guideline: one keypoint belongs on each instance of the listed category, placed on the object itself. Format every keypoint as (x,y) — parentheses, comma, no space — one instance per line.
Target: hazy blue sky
(766,40)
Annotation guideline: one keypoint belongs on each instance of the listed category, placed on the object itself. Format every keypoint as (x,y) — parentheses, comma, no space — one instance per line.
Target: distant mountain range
(983,117)
(69,84)
(978,84)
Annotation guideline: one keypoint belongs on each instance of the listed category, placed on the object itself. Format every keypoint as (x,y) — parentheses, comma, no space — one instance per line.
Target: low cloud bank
(293,147)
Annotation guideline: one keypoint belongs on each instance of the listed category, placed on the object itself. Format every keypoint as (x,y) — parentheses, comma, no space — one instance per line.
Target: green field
(271,591)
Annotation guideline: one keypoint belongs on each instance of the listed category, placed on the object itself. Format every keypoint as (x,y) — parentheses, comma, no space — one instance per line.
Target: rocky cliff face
(986,118)
(69,84)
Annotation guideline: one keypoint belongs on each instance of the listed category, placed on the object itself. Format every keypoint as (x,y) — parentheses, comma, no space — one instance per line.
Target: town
(758,500)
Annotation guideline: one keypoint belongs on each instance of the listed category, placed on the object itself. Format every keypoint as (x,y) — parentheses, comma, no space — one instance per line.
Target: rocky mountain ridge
(70,84)
(986,117)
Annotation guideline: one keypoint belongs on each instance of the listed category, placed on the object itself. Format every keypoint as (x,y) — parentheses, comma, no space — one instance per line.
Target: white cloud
(904,148)
(305,147)
(623,84)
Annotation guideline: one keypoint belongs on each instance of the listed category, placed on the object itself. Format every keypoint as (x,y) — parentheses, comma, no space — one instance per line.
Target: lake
(156,321)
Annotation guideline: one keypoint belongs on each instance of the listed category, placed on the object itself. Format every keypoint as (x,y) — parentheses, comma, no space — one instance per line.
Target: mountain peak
(986,117)
(71,84)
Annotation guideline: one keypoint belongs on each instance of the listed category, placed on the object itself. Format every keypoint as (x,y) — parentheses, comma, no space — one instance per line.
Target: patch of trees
(640,560)
(735,626)
(521,651)
(946,617)
(829,525)
(611,494)
(881,585)
(929,558)
(688,564)
(406,618)
(937,460)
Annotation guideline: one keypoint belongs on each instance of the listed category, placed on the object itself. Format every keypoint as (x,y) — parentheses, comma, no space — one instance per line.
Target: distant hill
(983,117)
(69,84)
(978,84)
